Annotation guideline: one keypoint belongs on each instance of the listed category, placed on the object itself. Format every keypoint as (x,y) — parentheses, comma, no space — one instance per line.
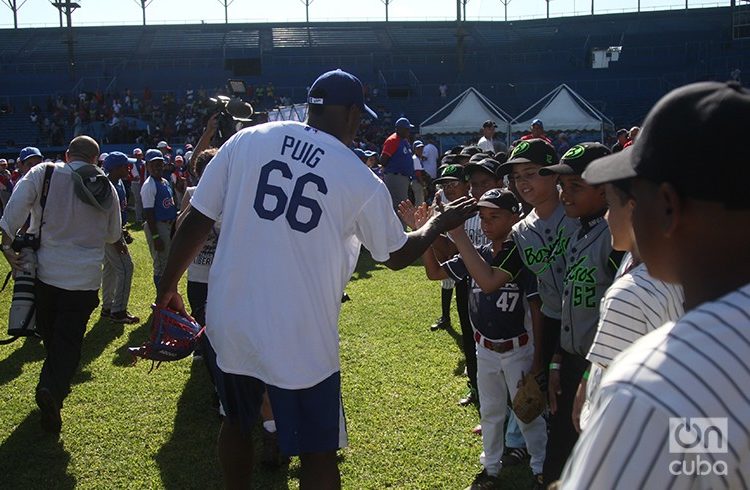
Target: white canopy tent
(465,115)
(563,109)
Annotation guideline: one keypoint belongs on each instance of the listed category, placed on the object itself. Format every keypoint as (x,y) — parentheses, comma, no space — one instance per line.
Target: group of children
(541,301)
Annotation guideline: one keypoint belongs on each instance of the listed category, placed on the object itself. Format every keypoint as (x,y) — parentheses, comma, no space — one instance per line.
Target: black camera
(233,112)
(25,240)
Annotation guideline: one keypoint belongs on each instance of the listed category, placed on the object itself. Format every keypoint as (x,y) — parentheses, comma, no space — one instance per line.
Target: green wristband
(554,366)
(155,236)
(586,375)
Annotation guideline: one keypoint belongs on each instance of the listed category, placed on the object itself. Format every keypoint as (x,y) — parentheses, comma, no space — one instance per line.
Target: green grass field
(125,428)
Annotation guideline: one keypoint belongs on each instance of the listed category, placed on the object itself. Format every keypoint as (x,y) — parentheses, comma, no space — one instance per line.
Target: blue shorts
(310,420)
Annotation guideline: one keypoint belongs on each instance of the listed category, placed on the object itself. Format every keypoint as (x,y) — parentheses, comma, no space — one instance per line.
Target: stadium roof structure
(465,115)
(562,109)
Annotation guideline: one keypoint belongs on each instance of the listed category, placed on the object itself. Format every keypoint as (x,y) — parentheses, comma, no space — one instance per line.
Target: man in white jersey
(295,205)
(673,410)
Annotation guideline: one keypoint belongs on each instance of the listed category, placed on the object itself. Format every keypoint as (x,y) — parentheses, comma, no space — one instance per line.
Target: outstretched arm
(417,241)
(488,278)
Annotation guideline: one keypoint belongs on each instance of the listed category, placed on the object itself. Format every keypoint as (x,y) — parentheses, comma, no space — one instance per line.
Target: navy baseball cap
(28,152)
(451,173)
(478,157)
(417,144)
(116,159)
(500,199)
(402,122)
(154,154)
(537,122)
(489,123)
(534,150)
(337,87)
(692,130)
(576,159)
(359,152)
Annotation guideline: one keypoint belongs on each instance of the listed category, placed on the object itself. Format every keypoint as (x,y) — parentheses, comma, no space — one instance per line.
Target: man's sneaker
(471,397)
(538,482)
(483,481)
(51,420)
(441,322)
(123,317)
(271,456)
(514,456)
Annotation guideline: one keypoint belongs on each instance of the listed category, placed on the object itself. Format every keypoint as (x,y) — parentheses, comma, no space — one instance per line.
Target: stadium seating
(512,63)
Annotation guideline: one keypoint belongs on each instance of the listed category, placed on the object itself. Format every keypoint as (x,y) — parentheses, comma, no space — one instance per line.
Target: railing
(677,5)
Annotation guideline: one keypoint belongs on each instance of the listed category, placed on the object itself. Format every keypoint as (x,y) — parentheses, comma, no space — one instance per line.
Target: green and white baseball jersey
(542,243)
(590,268)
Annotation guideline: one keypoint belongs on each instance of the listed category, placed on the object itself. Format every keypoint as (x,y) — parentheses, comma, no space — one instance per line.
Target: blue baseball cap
(116,159)
(402,122)
(28,152)
(537,122)
(154,154)
(359,152)
(417,144)
(337,87)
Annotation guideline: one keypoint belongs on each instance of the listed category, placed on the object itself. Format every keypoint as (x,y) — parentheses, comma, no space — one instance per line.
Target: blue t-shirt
(164,207)
(500,314)
(399,151)
(122,197)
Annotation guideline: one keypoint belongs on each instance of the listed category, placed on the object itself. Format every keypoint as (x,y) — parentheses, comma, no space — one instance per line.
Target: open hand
(406,211)
(455,213)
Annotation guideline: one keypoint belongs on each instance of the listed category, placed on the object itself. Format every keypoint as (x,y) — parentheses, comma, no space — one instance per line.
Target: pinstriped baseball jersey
(689,371)
(542,244)
(590,267)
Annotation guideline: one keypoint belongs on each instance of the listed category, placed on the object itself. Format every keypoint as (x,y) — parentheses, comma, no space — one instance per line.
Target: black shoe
(271,456)
(471,397)
(538,482)
(51,420)
(483,481)
(514,456)
(441,322)
(345,298)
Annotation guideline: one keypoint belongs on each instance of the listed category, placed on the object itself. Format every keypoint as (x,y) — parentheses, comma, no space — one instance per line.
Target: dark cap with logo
(487,165)
(478,157)
(534,150)
(500,199)
(576,159)
(337,87)
(451,173)
(692,131)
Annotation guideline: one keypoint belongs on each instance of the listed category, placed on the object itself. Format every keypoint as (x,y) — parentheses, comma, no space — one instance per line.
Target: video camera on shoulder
(234,112)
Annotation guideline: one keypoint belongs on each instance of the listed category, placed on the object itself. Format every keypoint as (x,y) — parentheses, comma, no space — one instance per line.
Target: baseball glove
(529,402)
(173,337)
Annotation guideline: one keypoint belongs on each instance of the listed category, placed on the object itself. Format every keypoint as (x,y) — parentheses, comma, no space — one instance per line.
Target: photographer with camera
(81,215)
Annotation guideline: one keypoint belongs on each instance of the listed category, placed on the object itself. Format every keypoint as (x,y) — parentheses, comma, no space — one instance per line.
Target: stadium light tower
(226,4)
(463,7)
(307,9)
(505,5)
(67,7)
(386,3)
(15,7)
(143,4)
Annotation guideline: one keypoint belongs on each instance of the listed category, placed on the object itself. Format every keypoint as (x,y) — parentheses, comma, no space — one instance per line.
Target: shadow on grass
(29,349)
(191,450)
(30,458)
(99,336)
(137,337)
(365,265)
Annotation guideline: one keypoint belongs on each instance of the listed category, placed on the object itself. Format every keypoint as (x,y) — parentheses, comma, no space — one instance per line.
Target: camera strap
(45,191)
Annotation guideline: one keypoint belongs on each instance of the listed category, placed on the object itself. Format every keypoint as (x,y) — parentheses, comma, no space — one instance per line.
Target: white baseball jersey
(649,427)
(633,306)
(295,205)
(486,145)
